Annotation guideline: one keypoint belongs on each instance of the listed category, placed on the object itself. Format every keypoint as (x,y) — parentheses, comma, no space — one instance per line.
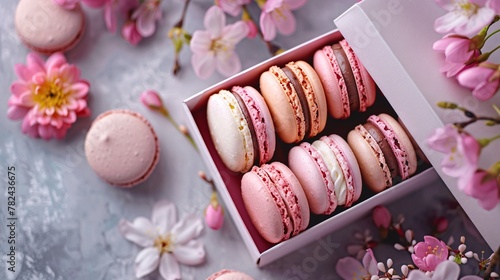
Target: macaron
(348,86)
(241,128)
(384,151)
(228,274)
(46,27)
(275,201)
(328,172)
(122,148)
(295,97)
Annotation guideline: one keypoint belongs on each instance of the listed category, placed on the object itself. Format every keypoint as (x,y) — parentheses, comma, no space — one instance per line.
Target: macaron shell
(47,27)
(404,141)
(298,205)
(227,274)
(264,207)
(234,145)
(352,163)
(307,164)
(122,148)
(315,94)
(331,79)
(262,123)
(289,125)
(369,161)
(364,82)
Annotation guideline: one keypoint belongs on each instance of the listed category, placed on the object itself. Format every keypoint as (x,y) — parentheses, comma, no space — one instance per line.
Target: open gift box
(406,70)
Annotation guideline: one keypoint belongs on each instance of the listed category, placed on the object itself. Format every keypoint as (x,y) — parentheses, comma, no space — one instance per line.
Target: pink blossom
(465,17)
(446,270)
(484,187)
(49,96)
(130,33)
(146,16)
(214,48)
(214,216)
(484,80)
(381,217)
(441,224)
(277,14)
(349,268)
(111,10)
(151,99)
(252,29)
(67,4)
(461,152)
(232,7)
(457,48)
(93,3)
(429,253)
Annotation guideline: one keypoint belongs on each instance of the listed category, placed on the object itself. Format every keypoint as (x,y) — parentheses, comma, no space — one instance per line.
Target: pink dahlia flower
(429,253)
(48,96)
(486,190)
(484,80)
(277,14)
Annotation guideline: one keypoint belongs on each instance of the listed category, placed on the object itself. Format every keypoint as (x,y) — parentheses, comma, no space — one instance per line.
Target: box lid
(394,41)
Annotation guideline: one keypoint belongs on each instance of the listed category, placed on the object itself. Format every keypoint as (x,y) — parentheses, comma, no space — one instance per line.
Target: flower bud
(151,99)
(441,224)
(381,217)
(252,29)
(214,214)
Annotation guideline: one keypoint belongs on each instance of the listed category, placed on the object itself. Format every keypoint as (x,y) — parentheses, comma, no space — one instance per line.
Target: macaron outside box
(357,27)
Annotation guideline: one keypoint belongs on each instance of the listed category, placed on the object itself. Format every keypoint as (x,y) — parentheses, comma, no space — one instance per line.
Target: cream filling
(242,126)
(336,172)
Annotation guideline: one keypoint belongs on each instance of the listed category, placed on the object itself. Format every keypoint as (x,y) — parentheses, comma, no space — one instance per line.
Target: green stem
(272,48)
(491,34)
(493,50)
(165,113)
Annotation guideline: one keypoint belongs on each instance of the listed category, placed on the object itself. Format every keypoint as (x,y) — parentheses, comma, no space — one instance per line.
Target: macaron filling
(377,152)
(288,196)
(355,66)
(344,165)
(315,153)
(236,92)
(328,51)
(278,201)
(293,99)
(302,98)
(379,137)
(348,76)
(399,152)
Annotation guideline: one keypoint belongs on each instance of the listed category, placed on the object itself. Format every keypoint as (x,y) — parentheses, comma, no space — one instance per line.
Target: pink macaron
(46,27)
(295,97)
(328,172)
(229,274)
(241,128)
(275,201)
(348,86)
(384,151)
(122,148)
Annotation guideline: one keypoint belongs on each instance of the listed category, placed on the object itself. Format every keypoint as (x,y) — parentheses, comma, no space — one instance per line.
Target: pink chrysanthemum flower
(48,96)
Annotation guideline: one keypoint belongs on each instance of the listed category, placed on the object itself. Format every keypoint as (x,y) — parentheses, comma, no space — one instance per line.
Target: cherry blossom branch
(272,48)
(179,36)
(494,263)
(490,121)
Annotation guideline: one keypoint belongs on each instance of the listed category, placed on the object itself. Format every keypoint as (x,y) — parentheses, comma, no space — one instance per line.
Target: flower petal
(110,16)
(17,112)
(164,216)
(449,21)
(45,132)
(169,268)
(200,42)
(56,60)
(18,87)
(294,4)
(447,270)
(35,63)
(474,76)
(418,275)
(204,65)
(267,26)
(214,21)
(236,32)
(370,263)
(94,3)
(79,89)
(27,128)
(348,268)
(141,231)
(146,261)
(284,20)
(229,64)
(475,23)
(191,253)
(146,23)
(186,229)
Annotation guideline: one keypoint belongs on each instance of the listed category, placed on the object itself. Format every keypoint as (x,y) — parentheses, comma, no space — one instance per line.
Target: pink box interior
(231,180)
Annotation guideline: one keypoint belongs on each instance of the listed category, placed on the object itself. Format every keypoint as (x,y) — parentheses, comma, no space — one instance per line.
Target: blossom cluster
(469,22)
(432,258)
(140,16)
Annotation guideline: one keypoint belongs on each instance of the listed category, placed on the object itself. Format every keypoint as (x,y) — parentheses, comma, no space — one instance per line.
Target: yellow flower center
(50,94)
(164,244)
(467,8)
(218,46)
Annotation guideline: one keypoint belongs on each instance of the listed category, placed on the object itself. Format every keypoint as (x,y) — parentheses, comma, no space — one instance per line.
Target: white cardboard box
(394,41)
(398,82)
